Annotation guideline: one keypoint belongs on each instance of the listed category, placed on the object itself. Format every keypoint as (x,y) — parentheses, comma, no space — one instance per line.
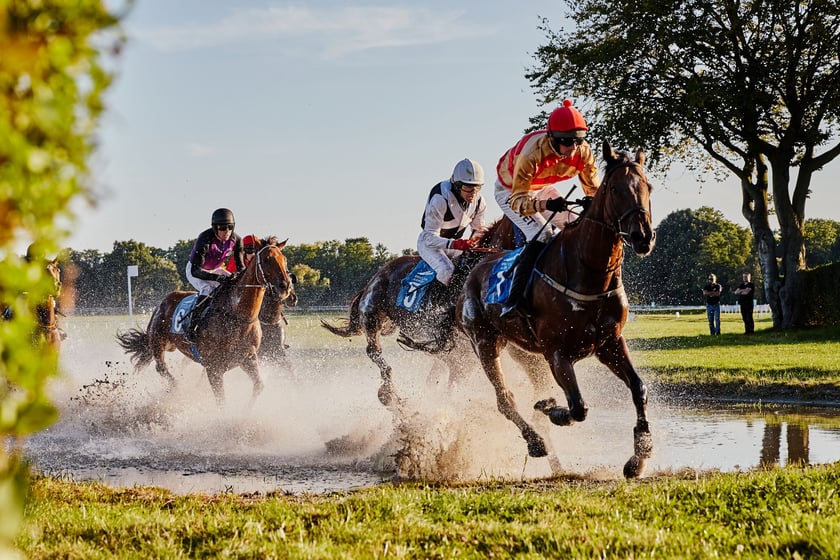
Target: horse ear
(609,153)
(640,157)
(282,243)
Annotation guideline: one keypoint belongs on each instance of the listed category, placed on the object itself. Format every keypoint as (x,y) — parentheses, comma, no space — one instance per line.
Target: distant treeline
(689,245)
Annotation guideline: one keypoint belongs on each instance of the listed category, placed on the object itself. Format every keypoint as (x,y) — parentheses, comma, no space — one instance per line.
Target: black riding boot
(521,273)
(195,317)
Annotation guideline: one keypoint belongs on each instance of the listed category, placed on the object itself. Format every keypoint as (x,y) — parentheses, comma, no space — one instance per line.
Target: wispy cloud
(335,32)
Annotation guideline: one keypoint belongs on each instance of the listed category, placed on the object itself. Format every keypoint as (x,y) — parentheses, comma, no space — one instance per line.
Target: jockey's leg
(195,316)
(521,274)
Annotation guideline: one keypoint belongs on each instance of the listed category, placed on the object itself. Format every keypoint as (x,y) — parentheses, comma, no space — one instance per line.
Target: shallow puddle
(320,428)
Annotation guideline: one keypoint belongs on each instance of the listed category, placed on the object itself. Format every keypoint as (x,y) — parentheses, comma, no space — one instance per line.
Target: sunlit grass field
(791,512)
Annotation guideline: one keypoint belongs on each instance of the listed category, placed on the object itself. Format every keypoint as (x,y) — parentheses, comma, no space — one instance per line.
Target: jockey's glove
(556,204)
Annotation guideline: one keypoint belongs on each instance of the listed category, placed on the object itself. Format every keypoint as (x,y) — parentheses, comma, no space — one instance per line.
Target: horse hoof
(560,416)
(545,405)
(634,467)
(536,445)
(537,449)
(642,443)
(385,395)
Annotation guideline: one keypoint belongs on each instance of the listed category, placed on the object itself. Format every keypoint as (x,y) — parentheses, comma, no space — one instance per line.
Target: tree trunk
(755,209)
(792,224)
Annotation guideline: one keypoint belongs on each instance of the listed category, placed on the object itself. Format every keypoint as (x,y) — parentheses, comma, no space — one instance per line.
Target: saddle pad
(181,317)
(498,288)
(415,285)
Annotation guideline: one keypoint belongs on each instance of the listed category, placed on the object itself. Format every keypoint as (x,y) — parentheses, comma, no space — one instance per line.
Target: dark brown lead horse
(232,334)
(374,312)
(578,305)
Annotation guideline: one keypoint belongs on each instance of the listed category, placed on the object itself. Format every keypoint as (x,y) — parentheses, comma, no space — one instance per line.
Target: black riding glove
(556,204)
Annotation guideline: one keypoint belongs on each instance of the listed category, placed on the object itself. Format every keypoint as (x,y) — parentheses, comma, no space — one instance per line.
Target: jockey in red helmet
(526,178)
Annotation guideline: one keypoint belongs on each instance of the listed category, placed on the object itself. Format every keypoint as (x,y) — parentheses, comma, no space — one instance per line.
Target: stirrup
(507,310)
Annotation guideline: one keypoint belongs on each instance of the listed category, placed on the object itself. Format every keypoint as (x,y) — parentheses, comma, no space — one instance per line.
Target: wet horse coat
(374,312)
(577,302)
(232,334)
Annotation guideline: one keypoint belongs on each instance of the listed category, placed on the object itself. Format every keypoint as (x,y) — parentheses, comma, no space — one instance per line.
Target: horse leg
(252,368)
(216,379)
(615,356)
(539,374)
(374,352)
(564,374)
(158,351)
(488,353)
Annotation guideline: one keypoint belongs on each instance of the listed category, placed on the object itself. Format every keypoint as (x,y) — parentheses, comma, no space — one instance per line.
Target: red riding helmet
(566,122)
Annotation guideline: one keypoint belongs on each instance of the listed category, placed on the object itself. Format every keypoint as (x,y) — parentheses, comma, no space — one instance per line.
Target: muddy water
(319,428)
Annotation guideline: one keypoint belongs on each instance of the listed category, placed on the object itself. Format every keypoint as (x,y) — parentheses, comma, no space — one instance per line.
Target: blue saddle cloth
(181,317)
(498,288)
(415,285)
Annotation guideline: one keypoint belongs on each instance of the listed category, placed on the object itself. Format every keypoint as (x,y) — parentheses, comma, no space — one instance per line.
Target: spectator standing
(712,292)
(746,298)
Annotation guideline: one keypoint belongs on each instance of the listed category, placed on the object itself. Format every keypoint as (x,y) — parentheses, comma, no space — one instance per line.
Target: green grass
(678,353)
(791,513)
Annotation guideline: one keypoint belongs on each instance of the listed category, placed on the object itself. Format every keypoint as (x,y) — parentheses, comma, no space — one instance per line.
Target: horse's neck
(586,256)
(244,298)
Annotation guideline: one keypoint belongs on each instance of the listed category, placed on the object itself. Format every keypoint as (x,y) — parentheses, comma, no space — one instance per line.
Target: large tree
(755,84)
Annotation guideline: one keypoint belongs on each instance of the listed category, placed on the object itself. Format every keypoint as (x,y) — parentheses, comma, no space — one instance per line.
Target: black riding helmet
(222,217)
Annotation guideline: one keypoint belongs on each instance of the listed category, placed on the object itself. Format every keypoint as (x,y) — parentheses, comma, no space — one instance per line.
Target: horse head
(271,271)
(623,200)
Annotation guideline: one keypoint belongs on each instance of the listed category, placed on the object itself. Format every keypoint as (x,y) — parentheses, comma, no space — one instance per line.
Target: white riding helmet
(468,172)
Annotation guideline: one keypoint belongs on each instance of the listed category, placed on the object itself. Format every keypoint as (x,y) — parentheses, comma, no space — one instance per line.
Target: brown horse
(231,333)
(374,312)
(273,323)
(577,302)
(47,330)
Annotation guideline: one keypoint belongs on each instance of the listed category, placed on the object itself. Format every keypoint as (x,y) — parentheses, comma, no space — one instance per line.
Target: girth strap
(576,295)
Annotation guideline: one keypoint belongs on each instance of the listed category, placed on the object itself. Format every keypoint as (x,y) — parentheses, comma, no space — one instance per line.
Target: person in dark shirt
(712,292)
(746,296)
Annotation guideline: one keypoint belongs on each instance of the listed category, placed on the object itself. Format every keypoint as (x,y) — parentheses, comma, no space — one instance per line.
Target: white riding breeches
(204,287)
(440,260)
(530,225)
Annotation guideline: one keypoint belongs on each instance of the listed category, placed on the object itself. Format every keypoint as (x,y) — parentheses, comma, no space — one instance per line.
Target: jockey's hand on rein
(462,244)
(556,204)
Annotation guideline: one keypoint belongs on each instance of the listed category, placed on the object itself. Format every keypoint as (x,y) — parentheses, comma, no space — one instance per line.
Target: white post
(130,271)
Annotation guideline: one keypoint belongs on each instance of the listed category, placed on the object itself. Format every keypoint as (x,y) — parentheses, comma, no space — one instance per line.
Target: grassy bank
(679,356)
(791,512)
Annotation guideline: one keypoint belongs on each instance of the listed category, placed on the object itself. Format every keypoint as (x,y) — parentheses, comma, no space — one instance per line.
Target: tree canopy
(753,87)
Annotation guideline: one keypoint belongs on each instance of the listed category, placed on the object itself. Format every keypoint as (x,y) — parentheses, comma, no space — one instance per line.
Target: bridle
(262,279)
(616,226)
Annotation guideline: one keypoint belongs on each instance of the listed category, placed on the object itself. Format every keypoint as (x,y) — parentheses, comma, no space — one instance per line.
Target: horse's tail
(136,342)
(352,325)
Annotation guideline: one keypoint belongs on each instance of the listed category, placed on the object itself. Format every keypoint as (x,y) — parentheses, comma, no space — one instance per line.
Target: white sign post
(130,271)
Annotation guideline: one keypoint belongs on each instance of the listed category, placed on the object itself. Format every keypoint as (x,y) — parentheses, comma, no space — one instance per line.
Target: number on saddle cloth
(498,288)
(415,285)
(182,317)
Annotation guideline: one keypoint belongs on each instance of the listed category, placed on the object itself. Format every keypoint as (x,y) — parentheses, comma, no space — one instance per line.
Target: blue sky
(324,120)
